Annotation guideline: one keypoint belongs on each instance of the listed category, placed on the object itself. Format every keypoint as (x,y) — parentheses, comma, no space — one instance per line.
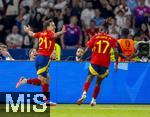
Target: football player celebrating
(46,40)
(101,45)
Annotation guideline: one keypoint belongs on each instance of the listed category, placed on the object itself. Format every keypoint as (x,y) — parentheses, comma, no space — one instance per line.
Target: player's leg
(33,81)
(43,75)
(96,90)
(87,84)
(45,86)
(92,72)
(85,89)
(45,89)
(102,73)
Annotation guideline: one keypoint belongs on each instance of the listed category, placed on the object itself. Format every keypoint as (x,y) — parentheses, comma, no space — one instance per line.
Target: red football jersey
(46,42)
(101,45)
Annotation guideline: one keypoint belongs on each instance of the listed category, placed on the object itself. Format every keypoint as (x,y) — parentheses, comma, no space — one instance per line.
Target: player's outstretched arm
(27,29)
(85,53)
(61,32)
(116,58)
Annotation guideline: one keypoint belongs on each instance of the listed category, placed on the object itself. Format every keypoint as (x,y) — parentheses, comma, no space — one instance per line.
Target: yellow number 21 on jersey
(47,44)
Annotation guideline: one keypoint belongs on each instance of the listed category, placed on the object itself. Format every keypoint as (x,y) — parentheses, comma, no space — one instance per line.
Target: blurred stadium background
(83,19)
(87,14)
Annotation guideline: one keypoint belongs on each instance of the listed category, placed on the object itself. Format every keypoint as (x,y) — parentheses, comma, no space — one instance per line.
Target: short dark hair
(104,28)
(125,32)
(93,21)
(46,23)
(3,45)
(31,51)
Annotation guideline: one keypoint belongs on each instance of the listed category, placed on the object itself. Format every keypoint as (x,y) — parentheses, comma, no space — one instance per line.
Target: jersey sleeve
(37,35)
(90,43)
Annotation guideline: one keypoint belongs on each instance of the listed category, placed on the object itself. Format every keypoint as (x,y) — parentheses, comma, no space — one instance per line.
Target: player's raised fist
(27,28)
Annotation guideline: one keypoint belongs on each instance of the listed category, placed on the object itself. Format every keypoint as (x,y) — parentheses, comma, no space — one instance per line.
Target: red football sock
(86,86)
(34,81)
(45,89)
(96,91)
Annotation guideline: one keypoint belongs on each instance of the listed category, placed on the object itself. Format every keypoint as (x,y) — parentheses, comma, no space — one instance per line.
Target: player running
(46,40)
(101,45)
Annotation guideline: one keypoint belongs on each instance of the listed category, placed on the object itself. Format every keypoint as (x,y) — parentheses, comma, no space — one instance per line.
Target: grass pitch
(100,111)
(71,110)
(32,112)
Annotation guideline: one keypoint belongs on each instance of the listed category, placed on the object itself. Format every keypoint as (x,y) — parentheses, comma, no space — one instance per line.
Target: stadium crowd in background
(82,19)
(4,54)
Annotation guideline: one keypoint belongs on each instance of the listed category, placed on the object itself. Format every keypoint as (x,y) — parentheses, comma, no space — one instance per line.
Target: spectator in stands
(60,4)
(27,42)
(59,19)
(26,3)
(123,7)
(113,29)
(122,13)
(3,34)
(120,19)
(87,14)
(4,54)
(32,54)
(12,9)
(144,32)
(23,18)
(77,57)
(113,4)
(14,40)
(106,9)
(126,47)
(79,54)
(141,14)
(67,14)
(132,4)
(72,38)
(76,8)
(91,31)
(49,15)
(62,10)
(143,50)
(36,20)
(98,19)
(129,26)
(147,3)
